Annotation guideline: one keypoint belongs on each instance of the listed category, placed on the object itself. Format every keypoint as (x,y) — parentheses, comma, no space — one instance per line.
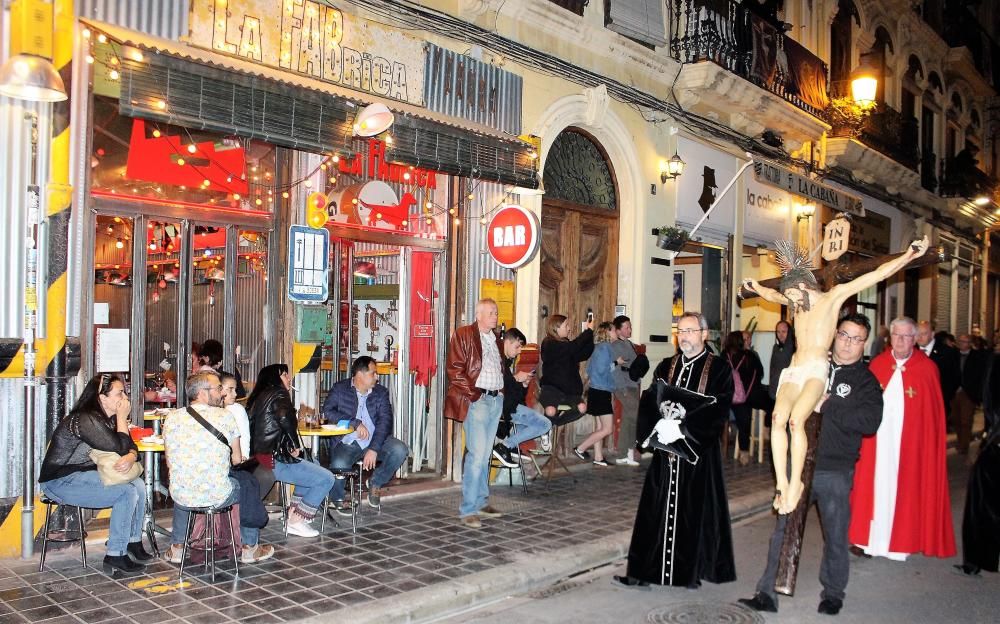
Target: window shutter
(639,19)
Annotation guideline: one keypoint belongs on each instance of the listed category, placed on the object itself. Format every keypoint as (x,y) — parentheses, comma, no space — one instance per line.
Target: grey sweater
(624,349)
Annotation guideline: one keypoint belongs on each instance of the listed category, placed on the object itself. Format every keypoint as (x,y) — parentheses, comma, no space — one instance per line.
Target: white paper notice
(112,350)
(102,313)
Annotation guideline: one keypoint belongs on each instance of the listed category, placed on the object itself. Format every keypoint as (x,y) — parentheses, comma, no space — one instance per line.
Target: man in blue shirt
(362,401)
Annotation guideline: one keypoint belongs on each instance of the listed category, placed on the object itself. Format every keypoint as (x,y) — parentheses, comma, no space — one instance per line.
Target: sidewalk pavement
(407,562)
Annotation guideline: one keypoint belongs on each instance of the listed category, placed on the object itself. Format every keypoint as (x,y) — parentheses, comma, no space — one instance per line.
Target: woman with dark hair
(560,383)
(275,443)
(209,358)
(748,369)
(99,420)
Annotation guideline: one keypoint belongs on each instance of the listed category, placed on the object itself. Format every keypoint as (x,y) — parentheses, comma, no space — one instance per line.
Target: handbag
(106,460)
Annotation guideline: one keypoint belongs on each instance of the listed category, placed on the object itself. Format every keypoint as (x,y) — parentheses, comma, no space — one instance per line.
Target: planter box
(670,243)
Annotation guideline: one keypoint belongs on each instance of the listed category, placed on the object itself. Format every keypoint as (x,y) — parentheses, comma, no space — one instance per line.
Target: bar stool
(494,463)
(283,502)
(81,537)
(756,436)
(209,513)
(353,475)
(566,415)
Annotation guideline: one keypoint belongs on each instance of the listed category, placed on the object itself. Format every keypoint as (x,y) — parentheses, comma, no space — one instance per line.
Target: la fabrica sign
(314,39)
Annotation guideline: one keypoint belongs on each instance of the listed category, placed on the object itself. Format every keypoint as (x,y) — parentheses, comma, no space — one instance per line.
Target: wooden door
(579,270)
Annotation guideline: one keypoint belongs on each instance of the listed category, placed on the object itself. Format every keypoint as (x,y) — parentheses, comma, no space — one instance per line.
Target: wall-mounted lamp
(373,119)
(806,212)
(671,169)
(982,200)
(32,78)
(864,84)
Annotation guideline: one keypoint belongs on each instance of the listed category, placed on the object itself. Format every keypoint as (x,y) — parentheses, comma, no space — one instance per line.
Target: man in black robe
(682,531)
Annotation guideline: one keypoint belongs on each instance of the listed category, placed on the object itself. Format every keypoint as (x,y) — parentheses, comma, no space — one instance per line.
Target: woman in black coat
(99,420)
(560,383)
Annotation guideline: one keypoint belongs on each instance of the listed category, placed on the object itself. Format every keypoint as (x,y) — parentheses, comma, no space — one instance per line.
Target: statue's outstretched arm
(768,294)
(914,250)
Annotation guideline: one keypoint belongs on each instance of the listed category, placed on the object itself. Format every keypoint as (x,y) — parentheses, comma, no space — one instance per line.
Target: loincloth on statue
(802,373)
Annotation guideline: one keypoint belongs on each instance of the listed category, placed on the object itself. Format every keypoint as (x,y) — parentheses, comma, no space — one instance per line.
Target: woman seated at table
(99,420)
(275,443)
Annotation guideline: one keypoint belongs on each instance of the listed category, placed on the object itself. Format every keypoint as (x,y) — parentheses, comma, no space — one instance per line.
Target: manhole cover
(704,613)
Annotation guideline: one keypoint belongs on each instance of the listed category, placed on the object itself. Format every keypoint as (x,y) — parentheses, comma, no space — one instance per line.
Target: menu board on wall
(501,291)
(112,350)
(311,38)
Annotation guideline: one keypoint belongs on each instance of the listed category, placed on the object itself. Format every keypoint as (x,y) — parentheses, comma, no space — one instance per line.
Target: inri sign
(512,236)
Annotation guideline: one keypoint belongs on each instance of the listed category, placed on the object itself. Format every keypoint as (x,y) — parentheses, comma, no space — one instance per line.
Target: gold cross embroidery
(910,393)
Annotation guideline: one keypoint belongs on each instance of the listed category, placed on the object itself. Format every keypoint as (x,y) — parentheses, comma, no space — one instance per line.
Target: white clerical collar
(685,361)
(928,348)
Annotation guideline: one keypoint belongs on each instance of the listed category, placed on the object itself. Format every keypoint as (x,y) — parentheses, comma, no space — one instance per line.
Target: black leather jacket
(273,425)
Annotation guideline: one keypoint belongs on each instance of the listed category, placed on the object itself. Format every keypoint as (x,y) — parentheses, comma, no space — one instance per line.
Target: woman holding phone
(560,383)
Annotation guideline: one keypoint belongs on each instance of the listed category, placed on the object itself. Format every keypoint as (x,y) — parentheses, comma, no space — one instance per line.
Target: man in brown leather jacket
(475,379)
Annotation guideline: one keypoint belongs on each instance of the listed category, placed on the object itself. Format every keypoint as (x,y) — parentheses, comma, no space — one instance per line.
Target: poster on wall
(678,301)
(501,291)
(311,38)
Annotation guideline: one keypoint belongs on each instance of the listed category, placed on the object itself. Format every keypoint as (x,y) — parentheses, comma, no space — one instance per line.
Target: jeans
(831,491)
(178,532)
(480,428)
(390,457)
(127,502)
(312,482)
(530,425)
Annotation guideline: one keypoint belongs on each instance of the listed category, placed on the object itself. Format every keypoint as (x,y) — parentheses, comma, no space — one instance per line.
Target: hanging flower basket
(671,238)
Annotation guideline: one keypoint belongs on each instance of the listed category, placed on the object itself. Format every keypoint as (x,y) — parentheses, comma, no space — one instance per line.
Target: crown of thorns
(795,265)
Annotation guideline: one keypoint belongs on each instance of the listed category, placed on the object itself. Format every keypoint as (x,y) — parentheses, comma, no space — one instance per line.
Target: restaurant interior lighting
(365,269)
(32,78)
(373,119)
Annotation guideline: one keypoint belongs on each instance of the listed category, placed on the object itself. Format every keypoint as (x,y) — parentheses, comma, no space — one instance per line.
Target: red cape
(922,521)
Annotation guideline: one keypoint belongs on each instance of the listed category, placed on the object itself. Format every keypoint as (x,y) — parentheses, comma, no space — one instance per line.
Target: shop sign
(512,236)
(772,174)
(309,37)
(870,235)
(374,167)
(423,331)
(766,211)
(308,262)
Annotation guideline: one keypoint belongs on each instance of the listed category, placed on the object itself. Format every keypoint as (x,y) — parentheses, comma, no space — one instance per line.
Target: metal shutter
(639,19)
(964,302)
(942,317)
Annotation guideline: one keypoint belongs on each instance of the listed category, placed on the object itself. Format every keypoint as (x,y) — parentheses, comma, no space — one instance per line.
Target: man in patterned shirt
(199,463)
(475,379)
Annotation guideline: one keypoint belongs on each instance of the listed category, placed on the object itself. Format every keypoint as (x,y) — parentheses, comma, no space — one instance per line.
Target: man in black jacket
(946,359)
(972,365)
(851,408)
(530,424)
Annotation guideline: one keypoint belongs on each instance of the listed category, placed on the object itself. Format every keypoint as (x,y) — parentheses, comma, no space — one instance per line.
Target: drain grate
(554,590)
(704,613)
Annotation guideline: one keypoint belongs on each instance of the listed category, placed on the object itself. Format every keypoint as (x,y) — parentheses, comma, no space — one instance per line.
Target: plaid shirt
(491,374)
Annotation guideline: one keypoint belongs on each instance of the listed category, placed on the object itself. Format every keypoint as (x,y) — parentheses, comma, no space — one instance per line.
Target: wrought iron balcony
(885,129)
(961,177)
(727,34)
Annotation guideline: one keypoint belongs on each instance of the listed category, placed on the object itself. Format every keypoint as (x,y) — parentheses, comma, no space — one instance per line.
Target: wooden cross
(910,393)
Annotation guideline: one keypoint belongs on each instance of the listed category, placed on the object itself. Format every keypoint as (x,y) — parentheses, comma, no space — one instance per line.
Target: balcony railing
(887,131)
(725,33)
(961,177)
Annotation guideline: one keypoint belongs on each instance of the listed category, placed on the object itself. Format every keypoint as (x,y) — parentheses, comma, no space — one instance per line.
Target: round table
(315,433)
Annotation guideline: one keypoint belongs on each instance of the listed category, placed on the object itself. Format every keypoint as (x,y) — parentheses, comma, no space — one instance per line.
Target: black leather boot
(122,563)
(138,553)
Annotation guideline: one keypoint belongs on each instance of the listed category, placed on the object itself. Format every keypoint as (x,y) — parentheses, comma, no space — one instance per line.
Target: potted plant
(846,117)
(670,238)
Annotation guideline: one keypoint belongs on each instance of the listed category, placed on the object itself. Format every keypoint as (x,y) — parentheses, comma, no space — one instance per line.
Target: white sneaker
(545,441)
(256,553)
(174,553)
(626,461)
(302,529)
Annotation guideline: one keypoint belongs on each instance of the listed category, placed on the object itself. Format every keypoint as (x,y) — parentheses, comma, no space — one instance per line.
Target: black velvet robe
(682,531)
(981,520)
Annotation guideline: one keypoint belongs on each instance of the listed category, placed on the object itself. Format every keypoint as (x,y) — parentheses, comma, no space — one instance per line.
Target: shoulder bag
(106,460)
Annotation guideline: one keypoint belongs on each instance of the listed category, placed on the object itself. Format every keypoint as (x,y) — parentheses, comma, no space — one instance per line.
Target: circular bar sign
(512,236)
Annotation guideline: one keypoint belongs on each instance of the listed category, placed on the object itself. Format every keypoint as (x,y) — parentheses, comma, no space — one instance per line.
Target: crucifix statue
(803,383)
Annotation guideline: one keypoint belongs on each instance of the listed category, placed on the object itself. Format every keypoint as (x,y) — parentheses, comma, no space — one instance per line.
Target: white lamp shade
(373,119)
(32,78)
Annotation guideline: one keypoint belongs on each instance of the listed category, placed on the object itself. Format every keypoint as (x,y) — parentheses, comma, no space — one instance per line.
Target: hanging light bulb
(152,246)
(429,220)
(111,230)
(451,211)
(119,244)
(236,196)
(284,194)
(180,162)
(457,221)
(429,205)
(192,149)
(405,223)
(483,221)
(156,134)
(113,74)
(308,183)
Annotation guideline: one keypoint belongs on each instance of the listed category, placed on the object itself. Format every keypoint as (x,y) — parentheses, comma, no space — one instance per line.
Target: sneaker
(256,553)
(471,522)
(545,442)
(582,455)
(344,508)
(603,463)
(174,553)
(626,461)
(374,496)
(760,602)
(301,529)
(503,455)
(516,456)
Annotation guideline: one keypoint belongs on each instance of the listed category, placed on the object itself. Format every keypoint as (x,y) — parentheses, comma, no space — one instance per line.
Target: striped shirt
(491,374)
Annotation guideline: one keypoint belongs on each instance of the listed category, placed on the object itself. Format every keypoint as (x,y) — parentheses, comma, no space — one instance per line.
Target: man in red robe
(900,503)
